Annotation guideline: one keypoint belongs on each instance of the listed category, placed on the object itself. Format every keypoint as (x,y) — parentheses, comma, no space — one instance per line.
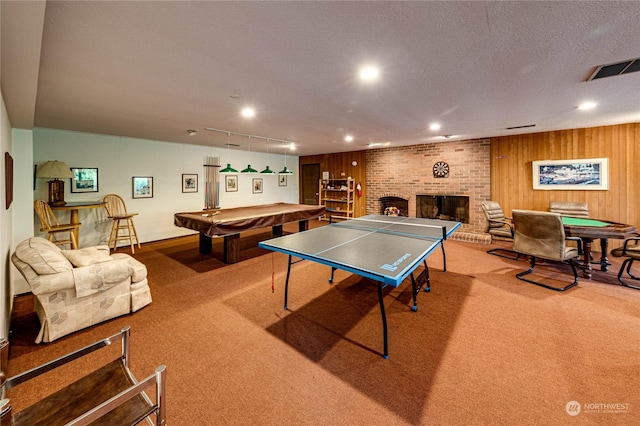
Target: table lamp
(55,170)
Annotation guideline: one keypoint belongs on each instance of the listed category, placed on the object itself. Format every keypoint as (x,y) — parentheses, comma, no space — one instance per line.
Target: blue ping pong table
(387,249)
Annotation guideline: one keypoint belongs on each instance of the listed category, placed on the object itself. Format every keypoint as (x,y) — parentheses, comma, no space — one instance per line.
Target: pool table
(229,223)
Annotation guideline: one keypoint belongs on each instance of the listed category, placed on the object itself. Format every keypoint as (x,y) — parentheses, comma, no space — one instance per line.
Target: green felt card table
(592,229)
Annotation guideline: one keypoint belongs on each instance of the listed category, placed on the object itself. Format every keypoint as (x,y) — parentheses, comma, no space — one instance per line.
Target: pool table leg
(231,248)
(205,245)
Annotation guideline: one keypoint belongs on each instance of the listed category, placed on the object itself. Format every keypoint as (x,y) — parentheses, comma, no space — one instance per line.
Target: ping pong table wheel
(330,280)
(427,290)
(414,308)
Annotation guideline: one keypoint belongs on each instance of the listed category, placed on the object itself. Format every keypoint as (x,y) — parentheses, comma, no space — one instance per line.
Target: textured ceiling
(155,69)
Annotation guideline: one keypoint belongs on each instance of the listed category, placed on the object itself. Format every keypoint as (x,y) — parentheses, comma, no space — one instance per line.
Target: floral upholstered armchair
(75,289)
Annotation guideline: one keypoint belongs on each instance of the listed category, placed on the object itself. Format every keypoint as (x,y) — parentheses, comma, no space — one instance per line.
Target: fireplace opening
(444,207)
(400,203)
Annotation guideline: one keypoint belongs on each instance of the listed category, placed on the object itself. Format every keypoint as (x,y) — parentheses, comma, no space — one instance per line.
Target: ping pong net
(428,229)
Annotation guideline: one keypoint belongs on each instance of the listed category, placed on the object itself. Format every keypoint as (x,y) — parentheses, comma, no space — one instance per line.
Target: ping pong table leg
(332,271)
(414,291)
(384,321)
(286,285)
(444,256)
(427,288)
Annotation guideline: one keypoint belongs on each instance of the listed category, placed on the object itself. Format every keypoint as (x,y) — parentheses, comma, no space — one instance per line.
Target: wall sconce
(55,170)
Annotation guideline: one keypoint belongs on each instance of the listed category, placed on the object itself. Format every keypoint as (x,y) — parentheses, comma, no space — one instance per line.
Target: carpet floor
(483,348)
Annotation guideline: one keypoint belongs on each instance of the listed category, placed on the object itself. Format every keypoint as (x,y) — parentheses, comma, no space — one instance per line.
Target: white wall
(6,271)
(22,207)
(118,159)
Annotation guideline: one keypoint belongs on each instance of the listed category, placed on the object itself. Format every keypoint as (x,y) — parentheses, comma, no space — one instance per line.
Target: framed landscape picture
(85,179)
(582,174)
(189,182)
(142,187)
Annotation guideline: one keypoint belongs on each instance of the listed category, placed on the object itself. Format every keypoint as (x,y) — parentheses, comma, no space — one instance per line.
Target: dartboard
(440,169)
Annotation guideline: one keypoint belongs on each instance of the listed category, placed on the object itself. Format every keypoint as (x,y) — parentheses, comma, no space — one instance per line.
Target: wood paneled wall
(512,174)
(340,165)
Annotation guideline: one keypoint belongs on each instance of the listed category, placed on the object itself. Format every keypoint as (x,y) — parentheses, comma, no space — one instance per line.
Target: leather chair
(123,228)
(574,209)
(49,223)
(540,235)
(498,226)
(569,208)
(630,250)
(110,395)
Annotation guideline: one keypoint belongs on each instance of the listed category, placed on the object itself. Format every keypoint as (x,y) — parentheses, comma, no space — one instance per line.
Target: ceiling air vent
(624,67)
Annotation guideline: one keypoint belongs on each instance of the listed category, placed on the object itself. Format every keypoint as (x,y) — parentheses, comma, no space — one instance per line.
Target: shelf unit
(336,195)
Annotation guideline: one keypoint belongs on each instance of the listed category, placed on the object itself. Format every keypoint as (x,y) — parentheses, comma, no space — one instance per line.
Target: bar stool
(123,228)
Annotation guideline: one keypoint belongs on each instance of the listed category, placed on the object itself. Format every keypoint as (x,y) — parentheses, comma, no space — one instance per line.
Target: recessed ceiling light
(369,73)
(348,138)
(192,132)
(248,112)
(587,105)
(434,126)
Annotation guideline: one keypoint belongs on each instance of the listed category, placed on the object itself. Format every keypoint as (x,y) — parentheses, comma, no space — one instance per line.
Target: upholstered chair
(540,235)
(75,289)
(569,208)
(499,227)
(630,250)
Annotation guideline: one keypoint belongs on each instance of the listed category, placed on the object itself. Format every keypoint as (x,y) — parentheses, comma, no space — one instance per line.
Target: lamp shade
(54,170)
(228,169)
(285,171)
(267,171)
(249,169)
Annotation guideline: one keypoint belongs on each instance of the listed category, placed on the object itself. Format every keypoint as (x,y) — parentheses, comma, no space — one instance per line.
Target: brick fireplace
(407,172)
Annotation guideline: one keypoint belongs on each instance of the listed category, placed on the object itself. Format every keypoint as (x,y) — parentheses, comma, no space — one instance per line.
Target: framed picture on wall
(142,187)
(231,183)
(257,185)
(85,179)
(583,174)
(282,180)
(189,182)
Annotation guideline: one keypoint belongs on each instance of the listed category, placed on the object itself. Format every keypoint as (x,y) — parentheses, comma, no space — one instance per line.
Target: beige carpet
(483,348)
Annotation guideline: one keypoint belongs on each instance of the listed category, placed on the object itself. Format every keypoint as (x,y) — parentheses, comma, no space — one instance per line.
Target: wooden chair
(632,253)
(541,235)
(122,228)
(498,226)
(50,224)
(109,395)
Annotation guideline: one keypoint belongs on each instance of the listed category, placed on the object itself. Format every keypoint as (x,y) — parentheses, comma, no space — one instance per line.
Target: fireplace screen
(444,207)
